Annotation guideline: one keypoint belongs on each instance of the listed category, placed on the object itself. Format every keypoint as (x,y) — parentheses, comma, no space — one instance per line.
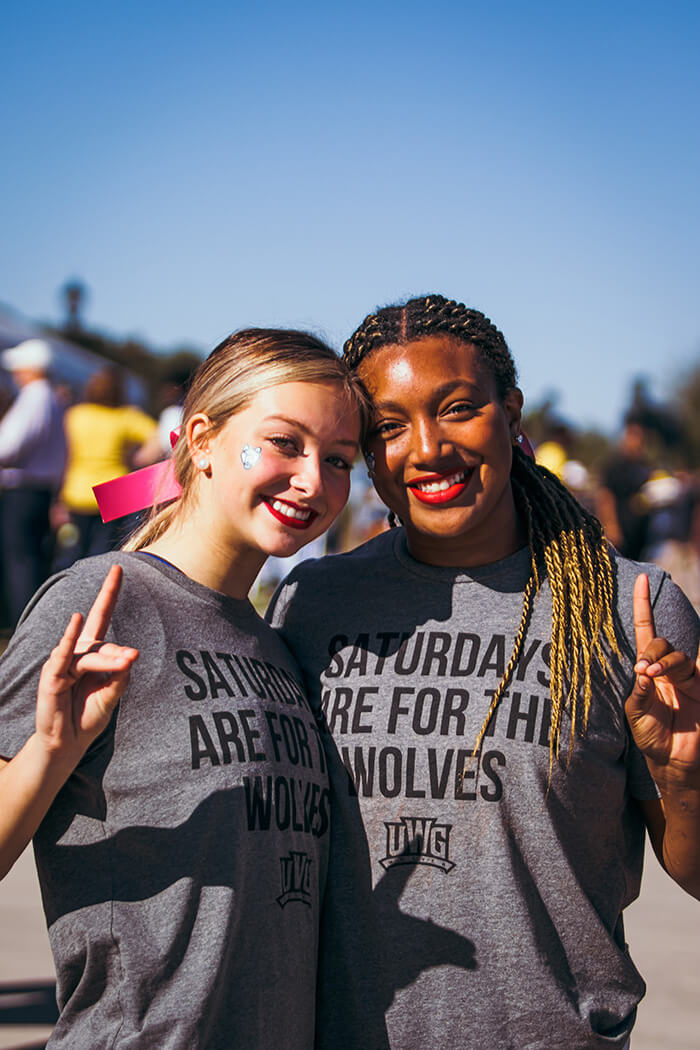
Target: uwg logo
(418,840)
(296,879)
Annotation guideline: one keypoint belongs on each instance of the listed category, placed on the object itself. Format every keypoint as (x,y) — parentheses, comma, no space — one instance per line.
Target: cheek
(340,490)
(388,468)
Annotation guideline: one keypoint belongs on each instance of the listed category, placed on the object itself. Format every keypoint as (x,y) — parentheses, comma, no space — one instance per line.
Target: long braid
(567,545)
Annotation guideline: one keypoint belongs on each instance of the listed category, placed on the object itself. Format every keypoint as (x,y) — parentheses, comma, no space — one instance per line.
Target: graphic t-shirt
(470,903)
(183,862)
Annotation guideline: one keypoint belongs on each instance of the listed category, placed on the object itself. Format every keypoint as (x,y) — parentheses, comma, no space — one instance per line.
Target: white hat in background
(32,353)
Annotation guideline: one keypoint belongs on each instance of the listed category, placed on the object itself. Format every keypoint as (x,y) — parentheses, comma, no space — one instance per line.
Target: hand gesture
(663,709)
(83,678)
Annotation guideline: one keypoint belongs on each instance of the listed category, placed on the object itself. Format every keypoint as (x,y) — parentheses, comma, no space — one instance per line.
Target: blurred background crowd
(78,408)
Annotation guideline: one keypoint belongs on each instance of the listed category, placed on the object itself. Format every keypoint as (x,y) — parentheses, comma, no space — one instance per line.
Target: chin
(284,547)
(445,523)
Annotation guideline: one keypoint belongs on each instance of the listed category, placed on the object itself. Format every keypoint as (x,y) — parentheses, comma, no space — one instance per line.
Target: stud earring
(202,463)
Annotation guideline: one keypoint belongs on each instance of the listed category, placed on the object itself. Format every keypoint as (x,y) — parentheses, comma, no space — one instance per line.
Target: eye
(460,408)
(386,428)
(285,444)
(339,462)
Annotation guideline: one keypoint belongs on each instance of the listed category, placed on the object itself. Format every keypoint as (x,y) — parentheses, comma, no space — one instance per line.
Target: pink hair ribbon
(138,490)
(132,492)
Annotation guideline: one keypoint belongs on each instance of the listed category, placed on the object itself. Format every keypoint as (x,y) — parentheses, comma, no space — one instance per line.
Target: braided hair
(566,542)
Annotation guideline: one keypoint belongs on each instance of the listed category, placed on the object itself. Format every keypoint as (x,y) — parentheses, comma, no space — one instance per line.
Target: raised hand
(663,709)
(83,678)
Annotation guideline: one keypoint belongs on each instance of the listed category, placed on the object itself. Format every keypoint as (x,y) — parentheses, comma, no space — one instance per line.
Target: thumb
(640,700)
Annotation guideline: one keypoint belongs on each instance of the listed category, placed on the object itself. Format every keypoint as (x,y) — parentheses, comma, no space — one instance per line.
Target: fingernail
(641,665)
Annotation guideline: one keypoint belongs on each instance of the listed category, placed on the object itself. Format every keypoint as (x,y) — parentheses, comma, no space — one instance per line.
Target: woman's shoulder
(355,561)
(675,618)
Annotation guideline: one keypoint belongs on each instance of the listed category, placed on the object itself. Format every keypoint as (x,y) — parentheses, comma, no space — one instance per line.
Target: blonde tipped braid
(570,543)
(530,590)
(567,546)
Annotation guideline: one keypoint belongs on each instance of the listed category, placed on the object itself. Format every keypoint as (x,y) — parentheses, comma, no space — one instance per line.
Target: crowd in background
(56,443)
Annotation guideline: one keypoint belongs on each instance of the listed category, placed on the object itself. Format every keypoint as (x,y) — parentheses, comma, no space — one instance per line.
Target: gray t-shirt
(486,914)
(182,864)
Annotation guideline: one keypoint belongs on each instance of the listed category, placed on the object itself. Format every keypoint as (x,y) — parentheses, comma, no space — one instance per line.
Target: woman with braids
(504,719)
(180,821)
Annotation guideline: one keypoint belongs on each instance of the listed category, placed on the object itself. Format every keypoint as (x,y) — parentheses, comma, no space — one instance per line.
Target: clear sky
(204,167)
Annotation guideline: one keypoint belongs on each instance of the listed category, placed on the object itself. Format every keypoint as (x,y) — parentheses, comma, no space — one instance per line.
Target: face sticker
(369,460)
(250,456)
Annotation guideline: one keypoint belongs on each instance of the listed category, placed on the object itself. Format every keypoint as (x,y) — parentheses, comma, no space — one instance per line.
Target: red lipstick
(440,488)
(277,507)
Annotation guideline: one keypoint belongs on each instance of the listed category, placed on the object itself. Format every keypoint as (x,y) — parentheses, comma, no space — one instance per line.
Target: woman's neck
(197,551)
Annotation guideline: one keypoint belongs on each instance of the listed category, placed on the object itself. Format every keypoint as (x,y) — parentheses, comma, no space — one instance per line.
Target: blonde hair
(245,363)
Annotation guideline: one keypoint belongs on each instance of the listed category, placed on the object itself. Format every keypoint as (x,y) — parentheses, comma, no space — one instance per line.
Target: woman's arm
(79,687)
(663,711)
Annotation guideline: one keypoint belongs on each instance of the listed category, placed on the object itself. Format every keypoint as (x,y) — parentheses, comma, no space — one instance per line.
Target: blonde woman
(181,832)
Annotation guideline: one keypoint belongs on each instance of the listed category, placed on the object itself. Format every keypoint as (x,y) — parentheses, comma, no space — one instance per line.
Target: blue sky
(207,167)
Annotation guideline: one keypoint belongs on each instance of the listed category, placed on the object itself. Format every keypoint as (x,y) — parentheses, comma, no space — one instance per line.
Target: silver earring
(519,439)
(202,463)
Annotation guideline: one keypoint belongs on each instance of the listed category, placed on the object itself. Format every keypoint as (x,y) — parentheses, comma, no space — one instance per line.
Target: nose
(428,442)
(307,478)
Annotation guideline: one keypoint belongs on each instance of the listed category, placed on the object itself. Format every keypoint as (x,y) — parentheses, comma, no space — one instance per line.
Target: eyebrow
(438,392)
(290,421)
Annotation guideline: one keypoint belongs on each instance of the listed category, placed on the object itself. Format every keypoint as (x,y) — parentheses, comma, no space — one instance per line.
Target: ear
(197,434)
(513,408)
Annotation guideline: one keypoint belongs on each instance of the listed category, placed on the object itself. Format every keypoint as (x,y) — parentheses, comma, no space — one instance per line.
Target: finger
(61,657)
(655,651)
(641,699)
(111,691)
(644,629)
(119,658)
(101,610)
(676,667)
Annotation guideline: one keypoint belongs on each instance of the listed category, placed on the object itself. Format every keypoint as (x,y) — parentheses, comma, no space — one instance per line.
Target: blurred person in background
(104,436)
(620,506)
(171,397)
(673,539)
(32,461)
(555,453)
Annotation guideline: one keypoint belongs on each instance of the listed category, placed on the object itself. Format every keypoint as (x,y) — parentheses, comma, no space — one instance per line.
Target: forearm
(680,850)
(28,785)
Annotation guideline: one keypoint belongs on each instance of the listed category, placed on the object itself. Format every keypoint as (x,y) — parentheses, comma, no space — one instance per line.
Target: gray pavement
(663,930)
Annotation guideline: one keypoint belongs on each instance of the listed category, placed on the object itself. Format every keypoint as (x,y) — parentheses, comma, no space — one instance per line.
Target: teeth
(290,512)
(443,484)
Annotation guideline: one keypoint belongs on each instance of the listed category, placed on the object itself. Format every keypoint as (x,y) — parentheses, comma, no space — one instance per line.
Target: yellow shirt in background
(99,441)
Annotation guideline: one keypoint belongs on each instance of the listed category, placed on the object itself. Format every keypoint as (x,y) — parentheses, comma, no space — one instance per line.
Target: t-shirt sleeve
(39,631)
(674,617)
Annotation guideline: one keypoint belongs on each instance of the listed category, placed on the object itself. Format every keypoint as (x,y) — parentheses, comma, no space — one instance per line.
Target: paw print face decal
(250,456)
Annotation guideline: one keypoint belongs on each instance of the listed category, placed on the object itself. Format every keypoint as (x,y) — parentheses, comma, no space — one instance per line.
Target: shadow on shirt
(370,948)
(136,863)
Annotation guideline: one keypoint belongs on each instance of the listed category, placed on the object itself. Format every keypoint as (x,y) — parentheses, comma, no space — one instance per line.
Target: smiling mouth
(441,489)
(289,514)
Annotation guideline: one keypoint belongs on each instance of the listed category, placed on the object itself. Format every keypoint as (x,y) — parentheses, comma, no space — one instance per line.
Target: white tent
(72,364)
